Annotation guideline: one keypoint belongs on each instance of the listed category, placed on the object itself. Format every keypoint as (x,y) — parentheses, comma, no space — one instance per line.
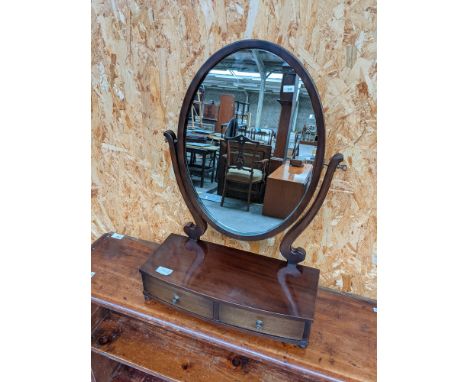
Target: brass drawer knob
(259,324)
(175,299)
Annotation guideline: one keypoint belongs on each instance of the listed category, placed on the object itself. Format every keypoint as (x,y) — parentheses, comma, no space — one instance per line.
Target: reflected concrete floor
(234,215)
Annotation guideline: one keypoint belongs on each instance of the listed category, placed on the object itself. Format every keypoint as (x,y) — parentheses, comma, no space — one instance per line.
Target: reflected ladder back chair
(308,136)
(265,136)
(244,165)
(304,137)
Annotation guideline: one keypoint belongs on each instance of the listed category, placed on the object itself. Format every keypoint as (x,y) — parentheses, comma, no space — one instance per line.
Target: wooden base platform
(167,344)
(232,287)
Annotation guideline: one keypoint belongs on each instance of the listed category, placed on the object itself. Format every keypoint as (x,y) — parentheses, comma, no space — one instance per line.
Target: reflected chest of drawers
(227,286)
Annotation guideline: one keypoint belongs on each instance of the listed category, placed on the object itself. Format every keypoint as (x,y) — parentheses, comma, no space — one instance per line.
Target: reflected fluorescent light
(274,77)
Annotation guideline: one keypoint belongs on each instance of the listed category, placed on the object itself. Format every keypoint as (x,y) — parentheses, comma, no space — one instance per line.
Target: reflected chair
(201,162)
(263,135)
(231,129)
(308,136)
(245,166)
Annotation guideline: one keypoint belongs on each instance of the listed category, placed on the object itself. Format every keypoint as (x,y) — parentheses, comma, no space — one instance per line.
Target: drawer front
(180,298)
(261,323)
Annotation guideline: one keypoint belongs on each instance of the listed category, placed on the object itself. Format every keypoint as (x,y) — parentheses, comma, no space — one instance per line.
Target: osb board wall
(144,55)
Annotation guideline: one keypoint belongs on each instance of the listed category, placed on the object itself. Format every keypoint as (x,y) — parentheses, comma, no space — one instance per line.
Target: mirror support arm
(295,255)
(193,231)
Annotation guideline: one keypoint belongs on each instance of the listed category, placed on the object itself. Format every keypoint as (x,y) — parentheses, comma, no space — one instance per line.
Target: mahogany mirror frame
(293,255)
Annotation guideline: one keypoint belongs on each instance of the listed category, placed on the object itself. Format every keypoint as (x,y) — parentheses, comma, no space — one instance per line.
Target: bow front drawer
(261,322)
(178,297)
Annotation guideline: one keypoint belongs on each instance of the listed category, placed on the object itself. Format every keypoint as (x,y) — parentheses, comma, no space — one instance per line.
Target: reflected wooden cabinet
(284,189)
(226,111)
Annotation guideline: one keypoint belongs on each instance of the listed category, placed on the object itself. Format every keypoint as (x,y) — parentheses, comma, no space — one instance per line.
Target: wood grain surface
(235,276)
(342,342)
(290,173)
(127,374)
(168,355)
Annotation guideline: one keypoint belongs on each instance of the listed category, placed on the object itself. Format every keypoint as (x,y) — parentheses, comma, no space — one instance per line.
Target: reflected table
(207,151)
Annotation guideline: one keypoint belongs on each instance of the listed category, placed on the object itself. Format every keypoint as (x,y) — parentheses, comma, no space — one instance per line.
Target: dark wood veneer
(270,324)
(259,288)
(188,301)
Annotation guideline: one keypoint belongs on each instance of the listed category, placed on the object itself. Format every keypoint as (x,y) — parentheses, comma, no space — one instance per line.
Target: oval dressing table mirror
(248,157)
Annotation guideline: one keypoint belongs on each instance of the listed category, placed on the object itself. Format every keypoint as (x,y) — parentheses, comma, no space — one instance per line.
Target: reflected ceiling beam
(296,108)
(246,94)
(246,84)
(249,65)
(241,88)
(261,93)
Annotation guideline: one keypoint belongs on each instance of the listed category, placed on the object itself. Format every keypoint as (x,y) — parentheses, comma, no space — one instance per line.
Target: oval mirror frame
(194,204)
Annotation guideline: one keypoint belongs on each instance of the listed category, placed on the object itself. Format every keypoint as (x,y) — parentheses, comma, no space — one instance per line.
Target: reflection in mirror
(250,142)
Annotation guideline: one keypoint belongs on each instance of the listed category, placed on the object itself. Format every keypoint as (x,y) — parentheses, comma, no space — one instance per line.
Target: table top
(202,148)
(289,173)
(342,341)
(215,137)
(225,274)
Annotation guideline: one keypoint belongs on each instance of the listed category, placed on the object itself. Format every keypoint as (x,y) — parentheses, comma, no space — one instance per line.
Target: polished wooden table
(284,189)
(130,335)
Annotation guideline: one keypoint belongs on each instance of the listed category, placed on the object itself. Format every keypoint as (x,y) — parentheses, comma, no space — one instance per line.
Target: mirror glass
(250,142)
